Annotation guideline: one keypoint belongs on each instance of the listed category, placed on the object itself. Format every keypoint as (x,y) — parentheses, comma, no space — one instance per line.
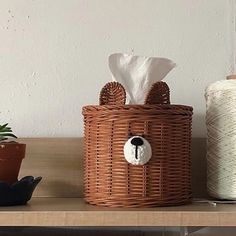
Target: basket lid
(154,109)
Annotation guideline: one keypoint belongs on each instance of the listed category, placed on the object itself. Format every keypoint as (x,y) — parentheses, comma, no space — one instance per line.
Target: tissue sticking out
(138,73)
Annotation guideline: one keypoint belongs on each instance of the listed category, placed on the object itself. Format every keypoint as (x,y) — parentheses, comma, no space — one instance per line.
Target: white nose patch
(137,150)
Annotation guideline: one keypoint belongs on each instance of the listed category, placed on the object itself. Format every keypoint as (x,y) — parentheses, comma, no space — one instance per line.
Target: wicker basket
(109,179)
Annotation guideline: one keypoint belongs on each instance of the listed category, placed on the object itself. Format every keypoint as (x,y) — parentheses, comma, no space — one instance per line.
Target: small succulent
(6,132)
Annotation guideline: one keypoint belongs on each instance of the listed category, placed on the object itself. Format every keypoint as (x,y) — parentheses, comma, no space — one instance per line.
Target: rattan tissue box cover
(137,155)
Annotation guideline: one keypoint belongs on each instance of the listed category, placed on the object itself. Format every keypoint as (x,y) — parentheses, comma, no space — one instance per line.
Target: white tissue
(138,73)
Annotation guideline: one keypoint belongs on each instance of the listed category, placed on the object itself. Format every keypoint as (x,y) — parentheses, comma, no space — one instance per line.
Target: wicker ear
(112,93)
(158,94)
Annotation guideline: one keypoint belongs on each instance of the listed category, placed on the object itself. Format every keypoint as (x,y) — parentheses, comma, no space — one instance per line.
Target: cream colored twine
(221,139)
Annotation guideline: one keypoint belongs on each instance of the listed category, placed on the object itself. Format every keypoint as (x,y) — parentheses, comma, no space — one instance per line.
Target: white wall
(53,54)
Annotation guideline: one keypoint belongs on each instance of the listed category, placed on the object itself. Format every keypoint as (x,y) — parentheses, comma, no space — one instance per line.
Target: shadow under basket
(164,180)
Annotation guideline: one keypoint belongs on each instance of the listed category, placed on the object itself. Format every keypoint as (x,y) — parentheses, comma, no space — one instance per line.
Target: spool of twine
(221,138)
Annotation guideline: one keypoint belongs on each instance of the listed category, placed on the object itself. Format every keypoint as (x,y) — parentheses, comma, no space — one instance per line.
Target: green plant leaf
(6,132)
(7,135)
(3,126)
(2,139)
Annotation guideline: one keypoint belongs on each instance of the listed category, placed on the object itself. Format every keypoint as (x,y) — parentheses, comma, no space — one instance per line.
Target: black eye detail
(137,141)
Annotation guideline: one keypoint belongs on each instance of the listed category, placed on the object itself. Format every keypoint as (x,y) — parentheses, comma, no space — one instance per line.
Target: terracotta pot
(11,155)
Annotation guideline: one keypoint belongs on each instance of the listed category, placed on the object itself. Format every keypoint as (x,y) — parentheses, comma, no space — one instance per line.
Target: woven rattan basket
(109,179)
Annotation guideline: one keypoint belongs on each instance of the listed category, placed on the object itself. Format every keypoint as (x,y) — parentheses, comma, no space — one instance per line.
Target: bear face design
(137,150)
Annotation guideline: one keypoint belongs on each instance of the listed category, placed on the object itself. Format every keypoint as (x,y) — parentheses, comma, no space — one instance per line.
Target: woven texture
(110,180)
(221,139)
(112,93)
(158,94)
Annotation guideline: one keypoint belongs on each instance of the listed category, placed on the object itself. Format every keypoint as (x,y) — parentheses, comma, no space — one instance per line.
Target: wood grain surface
(75,212)
(60,162)
(58,199)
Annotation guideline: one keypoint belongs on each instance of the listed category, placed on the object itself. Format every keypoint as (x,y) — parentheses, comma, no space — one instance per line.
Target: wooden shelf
(75,212)
(58,198)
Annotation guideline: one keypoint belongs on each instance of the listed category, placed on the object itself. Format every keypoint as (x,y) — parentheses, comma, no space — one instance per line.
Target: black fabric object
(137,141)
(18,193)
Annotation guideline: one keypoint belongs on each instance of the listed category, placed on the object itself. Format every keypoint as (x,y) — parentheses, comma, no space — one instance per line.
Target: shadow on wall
(199,167)
(199,126)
